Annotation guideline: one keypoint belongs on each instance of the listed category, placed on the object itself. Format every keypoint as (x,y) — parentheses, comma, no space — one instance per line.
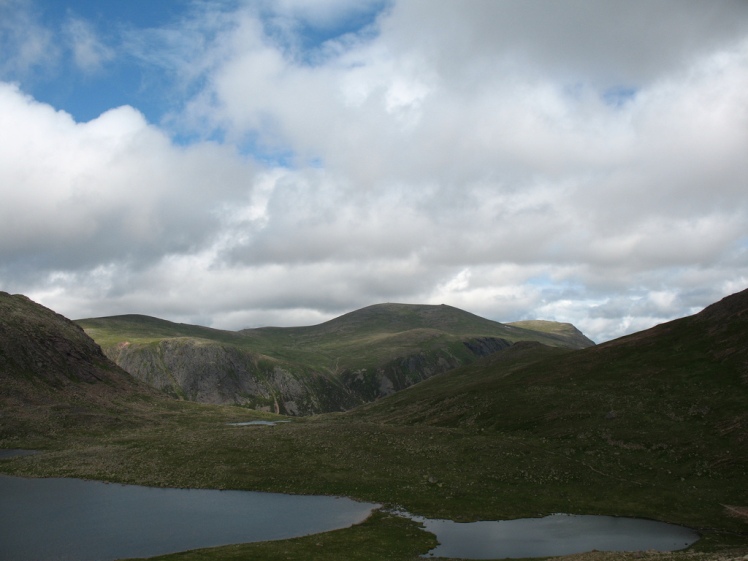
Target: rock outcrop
(209,372)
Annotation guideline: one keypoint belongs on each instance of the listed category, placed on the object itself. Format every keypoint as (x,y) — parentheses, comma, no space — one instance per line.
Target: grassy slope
(664,412)
(553,329)
(54,377)
(384,537)
(361,339)
(522,433)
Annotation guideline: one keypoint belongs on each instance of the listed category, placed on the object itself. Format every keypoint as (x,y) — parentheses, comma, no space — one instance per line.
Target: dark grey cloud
(609,43)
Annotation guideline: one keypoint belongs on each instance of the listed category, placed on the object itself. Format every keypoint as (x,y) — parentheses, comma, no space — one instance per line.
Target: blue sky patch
(619,96)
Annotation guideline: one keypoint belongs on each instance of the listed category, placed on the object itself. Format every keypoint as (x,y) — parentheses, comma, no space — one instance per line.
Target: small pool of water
(257,423)
(558,534)
(15,453)
(75,520)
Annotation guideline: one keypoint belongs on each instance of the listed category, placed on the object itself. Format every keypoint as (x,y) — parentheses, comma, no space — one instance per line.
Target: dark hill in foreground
(51,372)
(665,409)
(691,368)
(337,365)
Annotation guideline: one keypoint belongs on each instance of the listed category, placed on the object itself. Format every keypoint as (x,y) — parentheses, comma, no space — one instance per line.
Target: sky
(247,163)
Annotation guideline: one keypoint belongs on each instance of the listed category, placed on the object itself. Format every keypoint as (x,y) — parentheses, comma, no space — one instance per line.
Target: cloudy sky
(238,164)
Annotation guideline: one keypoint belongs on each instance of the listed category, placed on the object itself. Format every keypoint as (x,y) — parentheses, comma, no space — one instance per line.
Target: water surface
(14,453)
(558,534)
(257,423)
(77,520)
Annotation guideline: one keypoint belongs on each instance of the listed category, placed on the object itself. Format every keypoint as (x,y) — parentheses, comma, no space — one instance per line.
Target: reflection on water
(558,534)
(76,520)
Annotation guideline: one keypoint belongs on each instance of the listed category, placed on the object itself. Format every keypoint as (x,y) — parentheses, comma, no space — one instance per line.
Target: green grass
(438,472)
(381,537)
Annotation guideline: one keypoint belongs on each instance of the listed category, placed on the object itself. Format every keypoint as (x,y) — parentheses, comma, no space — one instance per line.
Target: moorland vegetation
(651,425)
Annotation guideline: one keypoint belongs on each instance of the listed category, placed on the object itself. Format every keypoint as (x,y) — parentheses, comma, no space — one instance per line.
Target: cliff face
(209,372)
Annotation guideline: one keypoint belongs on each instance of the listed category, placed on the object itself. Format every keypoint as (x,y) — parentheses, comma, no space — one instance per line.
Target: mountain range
(353,359)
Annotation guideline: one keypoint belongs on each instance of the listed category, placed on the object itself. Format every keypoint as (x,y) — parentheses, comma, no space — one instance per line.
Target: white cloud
(465,153)
(114,188)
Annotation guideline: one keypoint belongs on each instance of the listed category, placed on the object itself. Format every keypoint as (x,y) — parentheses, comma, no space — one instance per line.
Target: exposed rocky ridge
(484,346)
(403,372)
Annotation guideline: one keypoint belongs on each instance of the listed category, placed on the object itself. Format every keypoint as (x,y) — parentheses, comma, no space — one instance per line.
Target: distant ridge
(565,333)
(352,359)
(396,318)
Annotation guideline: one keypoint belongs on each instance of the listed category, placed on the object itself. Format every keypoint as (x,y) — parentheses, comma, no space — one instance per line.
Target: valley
(652,426)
